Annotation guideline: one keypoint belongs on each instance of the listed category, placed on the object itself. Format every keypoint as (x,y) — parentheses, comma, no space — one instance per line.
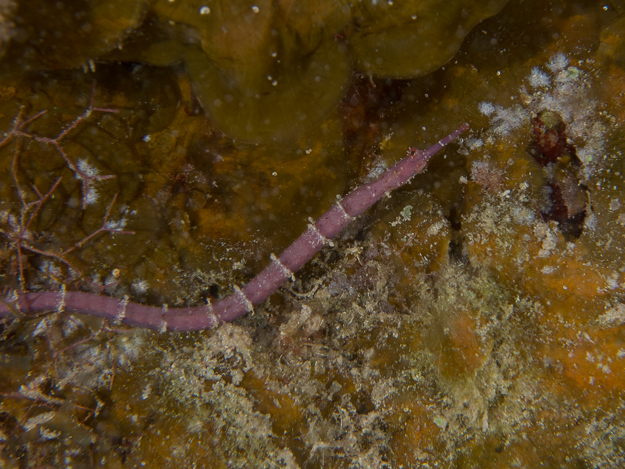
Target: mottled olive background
(474,318)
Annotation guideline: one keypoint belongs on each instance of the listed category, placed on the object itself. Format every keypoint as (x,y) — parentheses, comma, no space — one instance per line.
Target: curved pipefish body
(282,267)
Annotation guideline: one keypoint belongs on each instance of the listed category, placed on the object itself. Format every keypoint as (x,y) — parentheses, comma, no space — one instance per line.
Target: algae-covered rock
(270,71)
(7,10)
(58,34)
(274,101)
(416,222)
(455,324)
(611,48)
(264,72)
(409,39)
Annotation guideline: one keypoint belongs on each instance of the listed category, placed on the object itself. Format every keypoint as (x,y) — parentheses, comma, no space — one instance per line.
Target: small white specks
(92,195)
(140,286)
(86,169)
(538,78)
(205,10)
(614,205)
(435,228)
(38,420)
(473,143)
(274,54)
(309,151)
(558,62)
(42,327)
(414,17)
(255,9)
(614,317)
(274,83)
(486,108)
(47,434)
(116,225)
(147,138)
(274,174)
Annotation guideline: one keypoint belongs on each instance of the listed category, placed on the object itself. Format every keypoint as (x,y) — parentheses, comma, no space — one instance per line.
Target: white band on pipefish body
(346,215)
(61,306)
(121,314)
(243,299)
(322,239)
(285,270)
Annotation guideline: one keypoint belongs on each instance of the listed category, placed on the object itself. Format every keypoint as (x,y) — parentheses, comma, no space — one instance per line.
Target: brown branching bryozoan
(318,234)
(17,233)
(83,172)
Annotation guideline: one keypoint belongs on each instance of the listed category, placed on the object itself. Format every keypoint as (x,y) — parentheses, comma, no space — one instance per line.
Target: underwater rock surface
(264,70)
(472,319)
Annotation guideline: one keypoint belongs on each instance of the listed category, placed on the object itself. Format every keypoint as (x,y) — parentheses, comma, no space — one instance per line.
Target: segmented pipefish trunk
(281,268)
